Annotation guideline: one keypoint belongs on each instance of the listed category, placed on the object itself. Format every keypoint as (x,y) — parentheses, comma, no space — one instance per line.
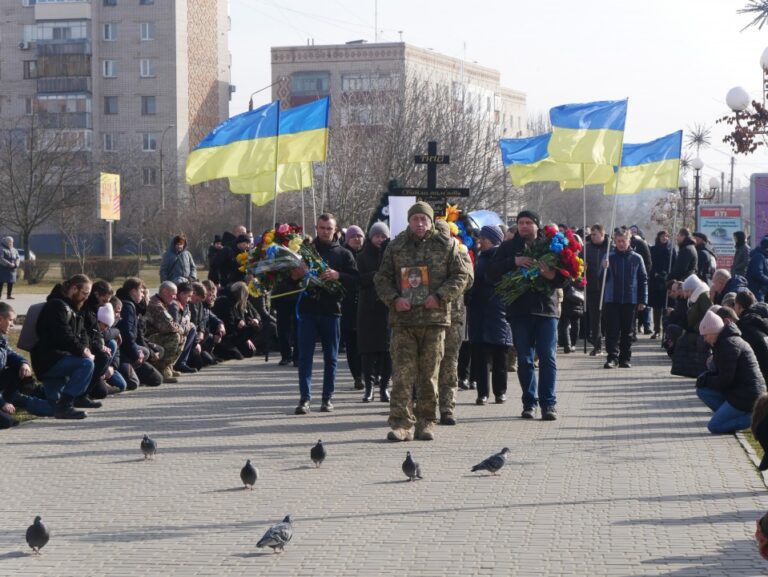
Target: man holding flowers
(528,269)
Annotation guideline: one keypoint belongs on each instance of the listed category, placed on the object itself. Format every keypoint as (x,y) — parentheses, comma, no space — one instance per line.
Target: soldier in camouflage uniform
(162,330)
(418,331)
(448,379)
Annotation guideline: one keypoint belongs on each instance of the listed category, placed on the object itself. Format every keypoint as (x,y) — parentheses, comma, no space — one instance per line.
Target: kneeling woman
(736,382)
(241,322)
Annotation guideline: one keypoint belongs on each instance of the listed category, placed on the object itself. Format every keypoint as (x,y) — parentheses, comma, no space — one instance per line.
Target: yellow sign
(109,196)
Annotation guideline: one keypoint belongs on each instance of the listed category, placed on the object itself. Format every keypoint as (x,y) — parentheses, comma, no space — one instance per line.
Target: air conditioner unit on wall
(24,45)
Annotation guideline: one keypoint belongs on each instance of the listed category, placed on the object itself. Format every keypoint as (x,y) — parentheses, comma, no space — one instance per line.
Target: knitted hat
(534,216)
(354,230)
(421,207)
(106,315)
(701,235)
(242,238)
(492,233)
(711,324)
(764,242)
(378,228)
(216,238)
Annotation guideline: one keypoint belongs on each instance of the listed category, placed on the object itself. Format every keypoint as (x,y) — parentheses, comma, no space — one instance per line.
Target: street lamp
(162,176)
(682,187)
(748,123)
(714,186)
(697,164)
(255,92)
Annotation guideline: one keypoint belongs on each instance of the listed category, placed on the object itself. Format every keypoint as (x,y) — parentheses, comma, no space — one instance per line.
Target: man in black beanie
(533,318)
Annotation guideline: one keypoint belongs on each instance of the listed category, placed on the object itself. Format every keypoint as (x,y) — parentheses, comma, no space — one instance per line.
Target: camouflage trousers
(448,380)
(416,354)
(172,344)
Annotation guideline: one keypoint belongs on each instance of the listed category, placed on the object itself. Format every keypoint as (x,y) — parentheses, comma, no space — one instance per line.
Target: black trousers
(465,361)
(484,355)
(349,336)
(619,324)
(10,288)
(568,330)
(286,329)
(376,367)
(594,320)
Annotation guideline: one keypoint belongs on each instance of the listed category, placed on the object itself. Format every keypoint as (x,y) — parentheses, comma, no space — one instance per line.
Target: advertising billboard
(719,222)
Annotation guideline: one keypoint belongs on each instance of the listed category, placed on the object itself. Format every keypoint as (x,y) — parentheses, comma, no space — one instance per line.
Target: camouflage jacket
(159,320)
(442,268)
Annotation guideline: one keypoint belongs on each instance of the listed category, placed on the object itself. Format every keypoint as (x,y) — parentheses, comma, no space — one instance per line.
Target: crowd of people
(419,319)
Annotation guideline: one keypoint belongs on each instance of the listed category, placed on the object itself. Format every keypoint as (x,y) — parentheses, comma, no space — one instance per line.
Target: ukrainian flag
(261,187)
(528,160)
(243,144)
(590,133)
(654,164)
(303,133)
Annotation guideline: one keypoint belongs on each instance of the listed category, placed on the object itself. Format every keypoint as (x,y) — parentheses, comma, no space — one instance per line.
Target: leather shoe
(302,409)
(85,402)
(447,419)
(481,401)
(610,364)
(625,365)
(501,399)
(182,368)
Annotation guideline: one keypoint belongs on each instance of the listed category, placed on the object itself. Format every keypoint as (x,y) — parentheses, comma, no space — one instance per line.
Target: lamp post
(697,165)
(714,187)
(162,176)
(682,187)
(748,123)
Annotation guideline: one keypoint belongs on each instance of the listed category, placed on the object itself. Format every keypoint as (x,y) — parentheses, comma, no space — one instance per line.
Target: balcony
(63,84)
(62,47)
(59,120)
(65,65)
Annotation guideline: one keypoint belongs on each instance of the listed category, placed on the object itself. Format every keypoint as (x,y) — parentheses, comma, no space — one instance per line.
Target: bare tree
(43,172)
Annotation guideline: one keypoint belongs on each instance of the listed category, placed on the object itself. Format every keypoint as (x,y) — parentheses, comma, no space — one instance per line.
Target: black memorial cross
(436,196)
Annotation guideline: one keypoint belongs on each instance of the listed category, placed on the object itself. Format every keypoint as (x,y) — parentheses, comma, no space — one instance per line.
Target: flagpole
(277,156)
(301,186)
(584,247)
(312,192)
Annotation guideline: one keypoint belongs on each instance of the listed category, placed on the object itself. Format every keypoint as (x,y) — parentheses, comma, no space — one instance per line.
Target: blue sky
(674,59)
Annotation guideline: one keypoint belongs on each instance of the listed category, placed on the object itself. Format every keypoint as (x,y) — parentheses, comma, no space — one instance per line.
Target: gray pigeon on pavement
(411,468)
(148,447)
(318,454)
(494,463)
(37,535)
(278,535)
(249,474)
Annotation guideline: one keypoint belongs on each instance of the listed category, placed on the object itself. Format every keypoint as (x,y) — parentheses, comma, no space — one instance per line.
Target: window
(110,3)
(58,30)
(110,31)
(30,69)
(310,83)
(147,30)
(147,68)
(29,106)
(110,105)
(146,2)
(148,105)
(149,175)
(149,141)
(110,142)
(109,68)
(369,82)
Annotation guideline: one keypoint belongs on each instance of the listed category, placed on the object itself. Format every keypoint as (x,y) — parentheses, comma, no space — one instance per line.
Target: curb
(752,457)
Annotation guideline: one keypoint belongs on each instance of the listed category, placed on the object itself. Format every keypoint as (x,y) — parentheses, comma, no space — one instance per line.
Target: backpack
(29,338)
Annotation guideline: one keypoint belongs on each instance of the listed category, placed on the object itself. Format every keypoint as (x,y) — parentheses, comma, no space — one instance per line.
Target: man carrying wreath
(532,316)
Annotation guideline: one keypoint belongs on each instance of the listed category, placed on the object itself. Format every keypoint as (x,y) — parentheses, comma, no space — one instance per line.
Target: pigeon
(494,463)
(37,535)
(318,454)
(411,468)
(148,447)
(278,535)
(249,474)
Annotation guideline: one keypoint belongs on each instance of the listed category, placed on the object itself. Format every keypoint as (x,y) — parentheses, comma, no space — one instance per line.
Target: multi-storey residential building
(305,73)
(138,79)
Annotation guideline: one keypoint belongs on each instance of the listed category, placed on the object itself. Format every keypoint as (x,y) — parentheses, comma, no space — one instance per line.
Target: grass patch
(150,274)
(753,443)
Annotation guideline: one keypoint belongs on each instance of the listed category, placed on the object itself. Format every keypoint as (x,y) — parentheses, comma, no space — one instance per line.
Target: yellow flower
(452,213)
(254,289)
(295,244)
(269,238)
(454,228)
(242,258)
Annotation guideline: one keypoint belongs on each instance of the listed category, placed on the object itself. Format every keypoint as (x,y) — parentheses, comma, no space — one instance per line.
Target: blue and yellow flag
(261,187)
(590,133)
(303,133)
(243,144)
(528,160)
(654,164)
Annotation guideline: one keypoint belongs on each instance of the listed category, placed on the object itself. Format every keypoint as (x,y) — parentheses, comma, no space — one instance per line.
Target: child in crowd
(106,320)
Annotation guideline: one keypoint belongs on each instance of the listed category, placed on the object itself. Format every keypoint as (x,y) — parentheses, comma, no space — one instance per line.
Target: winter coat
(594,255)
(757,273)
(177,266)
(706,263)
(11,360)
(661,254)
(9,263)
(531,302)
(224,308)
(697,311)
(573,302)
(437,254)
(638,244)
(486,312)
(753,325)
(737,374)
(685,261)
(627,281)
(733,285)
(61,332)
(159,319)
(740,260)
(203,318)
(351,296)
(372,314)
(130,328)
(323,302)
(90,314)
(221,263)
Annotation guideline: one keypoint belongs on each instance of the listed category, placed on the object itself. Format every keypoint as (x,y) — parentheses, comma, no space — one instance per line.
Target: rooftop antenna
(400,32)
(375,20)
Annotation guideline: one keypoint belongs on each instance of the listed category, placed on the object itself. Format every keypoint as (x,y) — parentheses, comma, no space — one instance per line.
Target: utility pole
(733,161)
(722,186)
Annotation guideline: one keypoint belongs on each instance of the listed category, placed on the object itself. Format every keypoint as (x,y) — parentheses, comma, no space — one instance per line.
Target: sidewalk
(628,482)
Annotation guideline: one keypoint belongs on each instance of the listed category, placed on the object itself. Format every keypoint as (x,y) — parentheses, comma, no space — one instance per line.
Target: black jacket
(661,255)
(341,260)
(531,302)
(61,332)
(685,260)
(349,304)
(372,314)
(486,314)
(753,325)
(594,255)
(638,244)
(705,262)
(225,310)
(130,328)
(737,374)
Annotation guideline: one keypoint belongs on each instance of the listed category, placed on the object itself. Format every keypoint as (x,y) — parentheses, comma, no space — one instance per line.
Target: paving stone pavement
(628,482)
